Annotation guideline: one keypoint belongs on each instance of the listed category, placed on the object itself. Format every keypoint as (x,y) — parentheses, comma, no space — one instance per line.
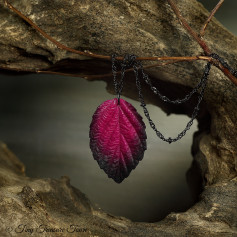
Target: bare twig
(177,59)
(89,77)
(59,45)
(202,32)
(185,24)
(200,41)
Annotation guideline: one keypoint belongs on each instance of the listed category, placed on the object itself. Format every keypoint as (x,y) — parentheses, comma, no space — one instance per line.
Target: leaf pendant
(117,138)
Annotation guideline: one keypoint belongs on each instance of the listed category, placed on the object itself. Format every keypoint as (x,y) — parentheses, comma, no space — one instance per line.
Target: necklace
(117,131)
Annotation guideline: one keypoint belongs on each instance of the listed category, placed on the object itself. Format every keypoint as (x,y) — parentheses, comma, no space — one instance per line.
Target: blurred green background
(45,121)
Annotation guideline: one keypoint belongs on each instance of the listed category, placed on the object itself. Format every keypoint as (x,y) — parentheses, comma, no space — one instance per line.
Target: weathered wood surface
(146,28)
(49,207)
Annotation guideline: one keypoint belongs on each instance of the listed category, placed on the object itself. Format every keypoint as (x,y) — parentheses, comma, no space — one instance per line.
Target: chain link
(195,111)
(165,98)
(126,63)
(130,61)
(224,63)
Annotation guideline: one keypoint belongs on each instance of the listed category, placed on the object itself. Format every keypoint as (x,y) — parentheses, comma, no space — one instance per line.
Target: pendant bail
(118,97)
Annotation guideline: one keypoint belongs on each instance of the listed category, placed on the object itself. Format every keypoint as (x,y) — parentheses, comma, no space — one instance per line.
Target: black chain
(130,60)
(195,111)
(195,89)
(224,63)
(126,63)
(165,98)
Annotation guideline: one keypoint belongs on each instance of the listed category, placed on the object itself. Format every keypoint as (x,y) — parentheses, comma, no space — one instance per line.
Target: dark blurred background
(45,121)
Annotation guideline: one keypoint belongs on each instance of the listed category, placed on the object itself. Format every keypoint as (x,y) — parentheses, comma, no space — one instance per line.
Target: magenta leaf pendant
(117,138)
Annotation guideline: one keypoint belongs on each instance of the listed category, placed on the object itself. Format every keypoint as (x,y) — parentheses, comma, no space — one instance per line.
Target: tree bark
(146,28)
